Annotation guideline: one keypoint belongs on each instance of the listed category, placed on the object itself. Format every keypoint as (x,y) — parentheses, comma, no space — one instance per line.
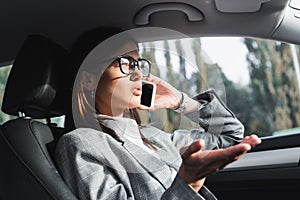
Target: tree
(4,72)
(274,85)
(199,78)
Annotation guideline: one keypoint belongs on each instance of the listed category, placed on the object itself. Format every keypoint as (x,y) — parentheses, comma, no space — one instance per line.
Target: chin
(131,106)
(134,103)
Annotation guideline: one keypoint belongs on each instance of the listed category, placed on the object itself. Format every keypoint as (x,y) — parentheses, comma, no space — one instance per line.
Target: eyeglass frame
(136,64)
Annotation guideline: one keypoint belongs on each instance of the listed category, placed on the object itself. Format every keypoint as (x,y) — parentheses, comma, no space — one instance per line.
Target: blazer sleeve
(81,168)
(220,126)
(85,172)
(181,190)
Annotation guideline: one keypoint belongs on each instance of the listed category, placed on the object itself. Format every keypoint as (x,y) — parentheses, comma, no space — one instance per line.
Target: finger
(142,107)
(193,148)
(255,138)
(151,78)
(246,138)
(252,140)
(234,152)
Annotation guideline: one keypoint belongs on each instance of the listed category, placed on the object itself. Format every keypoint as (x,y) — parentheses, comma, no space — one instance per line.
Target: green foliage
(268,104)
(4,72)
(274,86)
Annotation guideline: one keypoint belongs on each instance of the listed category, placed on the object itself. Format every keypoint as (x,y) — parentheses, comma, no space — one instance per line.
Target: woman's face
(117,91)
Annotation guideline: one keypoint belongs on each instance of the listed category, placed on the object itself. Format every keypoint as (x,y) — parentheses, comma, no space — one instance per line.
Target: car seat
(34,91)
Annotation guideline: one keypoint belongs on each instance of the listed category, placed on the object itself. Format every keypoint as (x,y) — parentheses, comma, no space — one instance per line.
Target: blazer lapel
(155,166)
(126,128)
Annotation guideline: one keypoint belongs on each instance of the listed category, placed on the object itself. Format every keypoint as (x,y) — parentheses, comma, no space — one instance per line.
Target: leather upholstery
(33,82)
(27,170)
(26,145)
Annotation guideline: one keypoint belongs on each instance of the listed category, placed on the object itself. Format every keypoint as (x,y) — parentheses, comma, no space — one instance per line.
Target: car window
(4,72)
(257,79)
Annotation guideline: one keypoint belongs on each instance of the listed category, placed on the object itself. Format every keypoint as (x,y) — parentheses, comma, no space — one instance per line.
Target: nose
(136,75)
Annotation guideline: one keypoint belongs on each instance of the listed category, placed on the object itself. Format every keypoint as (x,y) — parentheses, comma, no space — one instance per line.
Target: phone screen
(147,94)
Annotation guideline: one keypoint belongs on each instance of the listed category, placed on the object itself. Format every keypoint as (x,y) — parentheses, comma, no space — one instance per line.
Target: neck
(107,110)
(105,107)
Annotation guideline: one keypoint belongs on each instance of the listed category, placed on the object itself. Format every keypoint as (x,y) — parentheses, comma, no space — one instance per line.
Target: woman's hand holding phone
(163,94)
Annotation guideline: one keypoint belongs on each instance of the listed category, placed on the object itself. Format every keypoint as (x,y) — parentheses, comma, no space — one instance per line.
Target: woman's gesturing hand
(197,164)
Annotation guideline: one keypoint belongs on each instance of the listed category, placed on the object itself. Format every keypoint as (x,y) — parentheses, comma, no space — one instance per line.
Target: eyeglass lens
(128,65)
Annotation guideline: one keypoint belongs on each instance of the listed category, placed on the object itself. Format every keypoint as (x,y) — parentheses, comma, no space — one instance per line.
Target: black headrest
(33,83)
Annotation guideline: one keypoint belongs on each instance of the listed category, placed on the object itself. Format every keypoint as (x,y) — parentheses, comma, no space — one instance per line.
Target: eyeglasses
(127,65)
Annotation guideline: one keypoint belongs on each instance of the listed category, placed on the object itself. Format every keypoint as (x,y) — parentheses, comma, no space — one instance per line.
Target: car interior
(27,145)
(36,39)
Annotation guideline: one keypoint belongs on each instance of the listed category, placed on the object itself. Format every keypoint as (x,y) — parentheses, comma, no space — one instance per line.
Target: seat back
(26,144)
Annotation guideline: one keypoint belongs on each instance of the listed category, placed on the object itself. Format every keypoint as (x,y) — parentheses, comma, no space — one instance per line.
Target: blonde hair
(84,111)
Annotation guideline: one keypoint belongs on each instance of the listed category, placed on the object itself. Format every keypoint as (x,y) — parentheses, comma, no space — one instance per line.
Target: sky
(230,54)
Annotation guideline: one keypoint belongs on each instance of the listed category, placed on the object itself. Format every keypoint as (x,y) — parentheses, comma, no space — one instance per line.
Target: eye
(124,62)
(125,65)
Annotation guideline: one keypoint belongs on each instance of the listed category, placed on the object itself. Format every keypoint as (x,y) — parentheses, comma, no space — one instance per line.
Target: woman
(118,158)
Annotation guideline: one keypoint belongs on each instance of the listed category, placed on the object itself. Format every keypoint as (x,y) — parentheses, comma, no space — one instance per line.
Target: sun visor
(289,26)
(239,6)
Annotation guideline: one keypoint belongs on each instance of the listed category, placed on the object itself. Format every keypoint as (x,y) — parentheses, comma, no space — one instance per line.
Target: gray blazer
(96,166)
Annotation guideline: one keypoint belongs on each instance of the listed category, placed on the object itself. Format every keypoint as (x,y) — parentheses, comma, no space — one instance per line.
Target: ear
(88,80)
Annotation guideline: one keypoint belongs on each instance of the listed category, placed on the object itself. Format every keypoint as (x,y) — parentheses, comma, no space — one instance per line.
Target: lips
(137,90)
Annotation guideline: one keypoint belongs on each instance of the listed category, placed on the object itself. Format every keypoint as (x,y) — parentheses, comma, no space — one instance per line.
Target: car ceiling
(64,20)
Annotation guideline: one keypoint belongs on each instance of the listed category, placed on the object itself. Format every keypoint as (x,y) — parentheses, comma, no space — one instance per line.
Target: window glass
(4,72)
(257,79)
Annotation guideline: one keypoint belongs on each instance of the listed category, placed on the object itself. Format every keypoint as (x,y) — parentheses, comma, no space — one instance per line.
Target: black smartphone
(148,93)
